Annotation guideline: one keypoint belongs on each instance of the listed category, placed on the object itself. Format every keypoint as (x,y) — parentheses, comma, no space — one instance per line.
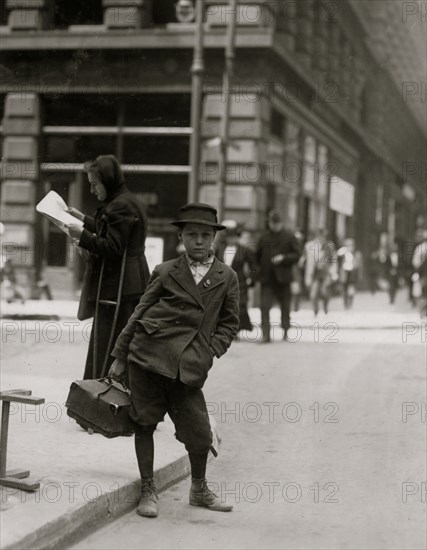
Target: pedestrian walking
(11,291)
(188,315)
(116,268)
(321,269)
(277,252)
(377,265)
(242,260)
(393,271)
(412,275)
(350,265)
(419,263)
(297,284)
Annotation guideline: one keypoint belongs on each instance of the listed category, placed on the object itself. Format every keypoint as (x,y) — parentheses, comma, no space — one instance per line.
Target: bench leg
(16,483)
(3,436)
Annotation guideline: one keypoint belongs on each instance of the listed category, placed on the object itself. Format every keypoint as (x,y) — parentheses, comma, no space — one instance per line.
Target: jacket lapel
(183,276)
(213,278)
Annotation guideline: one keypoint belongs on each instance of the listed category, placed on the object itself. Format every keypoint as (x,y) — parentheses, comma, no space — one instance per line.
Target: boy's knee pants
(154,395)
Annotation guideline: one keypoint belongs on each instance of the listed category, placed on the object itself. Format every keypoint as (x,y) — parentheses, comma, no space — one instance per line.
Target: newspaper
(55,209)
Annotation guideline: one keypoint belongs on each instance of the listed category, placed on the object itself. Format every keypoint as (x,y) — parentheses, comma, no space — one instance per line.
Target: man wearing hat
(277,251)
(188,315)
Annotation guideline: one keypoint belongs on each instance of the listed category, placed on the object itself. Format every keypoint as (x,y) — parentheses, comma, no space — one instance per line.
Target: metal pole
(226,94)
(197,70)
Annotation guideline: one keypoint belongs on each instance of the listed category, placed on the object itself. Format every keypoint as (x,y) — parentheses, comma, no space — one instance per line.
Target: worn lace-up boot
(147,506)
(201,495)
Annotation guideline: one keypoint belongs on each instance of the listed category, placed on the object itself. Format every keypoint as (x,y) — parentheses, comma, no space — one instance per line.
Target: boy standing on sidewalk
(188,314)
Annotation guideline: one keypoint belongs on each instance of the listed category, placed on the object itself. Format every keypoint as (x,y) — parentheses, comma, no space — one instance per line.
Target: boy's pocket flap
(149,326)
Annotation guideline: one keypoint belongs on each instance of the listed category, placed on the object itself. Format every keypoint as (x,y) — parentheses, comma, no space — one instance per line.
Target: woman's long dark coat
(119,224)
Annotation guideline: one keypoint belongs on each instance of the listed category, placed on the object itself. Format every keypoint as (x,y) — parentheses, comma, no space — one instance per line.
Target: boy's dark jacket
(178,325)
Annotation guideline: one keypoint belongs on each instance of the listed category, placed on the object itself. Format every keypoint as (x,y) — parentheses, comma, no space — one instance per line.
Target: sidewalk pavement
(370,311)
(85,479)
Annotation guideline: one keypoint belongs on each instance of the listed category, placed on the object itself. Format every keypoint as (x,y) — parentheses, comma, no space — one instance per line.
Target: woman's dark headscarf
(107,170)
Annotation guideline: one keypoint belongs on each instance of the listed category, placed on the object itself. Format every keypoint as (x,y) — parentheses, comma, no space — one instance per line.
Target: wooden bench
(14,478)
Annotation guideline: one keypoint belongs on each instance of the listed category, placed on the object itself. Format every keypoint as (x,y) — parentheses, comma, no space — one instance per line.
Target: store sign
(154,251)
(341,197)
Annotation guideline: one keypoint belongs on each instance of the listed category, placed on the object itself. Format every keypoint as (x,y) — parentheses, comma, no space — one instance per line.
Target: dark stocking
(198,463)
(144,447)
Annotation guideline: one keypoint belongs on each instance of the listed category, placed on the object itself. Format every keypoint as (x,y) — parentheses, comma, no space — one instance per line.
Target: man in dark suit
(277,251)
(188,315)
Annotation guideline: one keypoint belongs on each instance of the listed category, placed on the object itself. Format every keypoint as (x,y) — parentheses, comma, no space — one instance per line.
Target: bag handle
(110,381)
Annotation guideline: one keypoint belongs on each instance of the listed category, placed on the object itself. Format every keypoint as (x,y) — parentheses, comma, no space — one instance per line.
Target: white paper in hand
(55,208)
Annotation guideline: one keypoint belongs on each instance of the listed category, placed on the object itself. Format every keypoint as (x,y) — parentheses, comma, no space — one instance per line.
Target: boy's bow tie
(196,263)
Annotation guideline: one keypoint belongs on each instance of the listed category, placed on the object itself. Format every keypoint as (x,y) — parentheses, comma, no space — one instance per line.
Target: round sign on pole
(184,11)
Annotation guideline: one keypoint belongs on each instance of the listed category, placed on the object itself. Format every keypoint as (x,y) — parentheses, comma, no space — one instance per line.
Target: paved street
(323,438)
(318,451)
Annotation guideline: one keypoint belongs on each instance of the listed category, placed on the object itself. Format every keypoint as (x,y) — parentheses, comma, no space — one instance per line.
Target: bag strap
(116,314)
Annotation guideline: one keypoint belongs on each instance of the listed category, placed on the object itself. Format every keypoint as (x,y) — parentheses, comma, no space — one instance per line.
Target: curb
(70,527)
(29,317)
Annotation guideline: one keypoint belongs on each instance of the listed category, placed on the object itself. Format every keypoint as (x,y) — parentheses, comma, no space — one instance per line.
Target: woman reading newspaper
(116,268)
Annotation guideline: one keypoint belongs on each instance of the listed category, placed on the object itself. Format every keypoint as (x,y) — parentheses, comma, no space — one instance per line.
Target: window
(3,13)
(56,243)
(293,138)
(81,110)
(161,193)
(103,109)
(322,159)
(163,12)
(379,205)
(157,110)
(2,106)
(156,150)
(77,12)
(309,164)
(78,148)
(96,111)
(277,123)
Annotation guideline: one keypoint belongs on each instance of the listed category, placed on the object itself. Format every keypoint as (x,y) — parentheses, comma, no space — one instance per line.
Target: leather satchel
(101,405)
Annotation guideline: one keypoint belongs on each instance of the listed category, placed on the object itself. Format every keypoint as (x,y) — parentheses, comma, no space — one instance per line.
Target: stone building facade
(320,128)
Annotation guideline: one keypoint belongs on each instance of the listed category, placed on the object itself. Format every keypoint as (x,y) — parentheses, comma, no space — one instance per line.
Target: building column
(245,192)
(358,82)
(304,44)
(320,44)
(287,21)
(333,52)
(19,176)
(29,15)
(127,14)
(346,62)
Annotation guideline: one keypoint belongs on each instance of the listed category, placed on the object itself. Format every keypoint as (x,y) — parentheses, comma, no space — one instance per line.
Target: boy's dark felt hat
(197,212)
